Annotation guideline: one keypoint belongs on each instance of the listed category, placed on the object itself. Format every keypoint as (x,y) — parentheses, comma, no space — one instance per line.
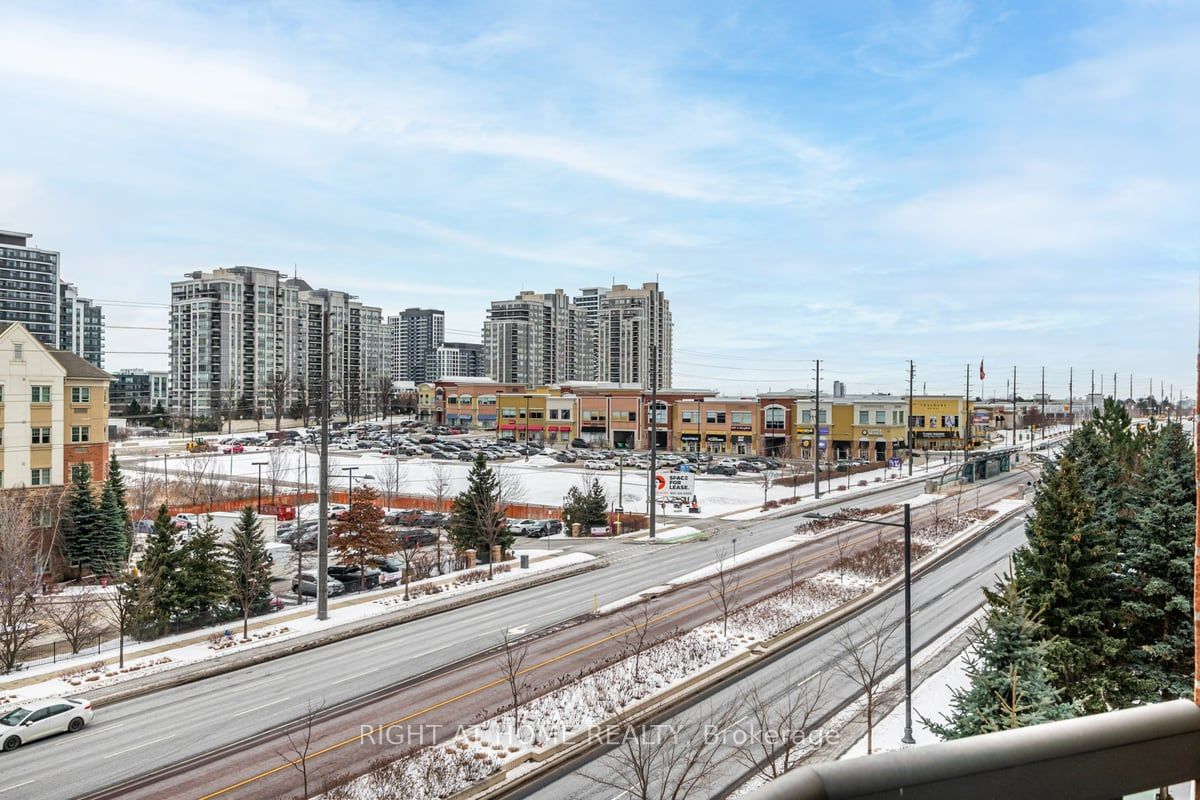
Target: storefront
(742,443)
(714,442)
(689,442)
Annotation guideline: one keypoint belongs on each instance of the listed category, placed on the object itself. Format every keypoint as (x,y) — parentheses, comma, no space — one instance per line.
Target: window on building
(806,415)
(740,417)
(77,470)
(81,433)
(510,413)
(464,399)
(689,417)
(917,421)
(18,351)
(714,417)
(880,417)
(554,413)
(1,393)
(452,400)
(862,417)
(40,394)
(660,414)
(536,413)
(487,400)
(774,418)
(81,394)
(39,435)
(39,477)
(824,416)
(566,413)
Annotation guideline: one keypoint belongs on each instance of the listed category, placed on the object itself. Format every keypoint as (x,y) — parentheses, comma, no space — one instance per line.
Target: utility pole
(323,490)
(912,372)
(817,436)
(1071,398)
(1014,419)
(1043,404)
(651,485)
(967,416)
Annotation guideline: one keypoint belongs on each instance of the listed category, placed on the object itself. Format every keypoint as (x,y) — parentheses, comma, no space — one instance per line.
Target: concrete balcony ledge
(1101,756)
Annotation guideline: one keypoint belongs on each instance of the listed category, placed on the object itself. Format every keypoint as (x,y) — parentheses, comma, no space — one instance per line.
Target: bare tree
(23,563)
(439,483)
(124,606)
(277,387)
(512,665)
(723,589)
(145,490)
(74,616)
(778,722)
(277,464)
(839,545)
(300,742)
(409,546)
(197,476)
(301,386)
(793,571)
(637,622)
(865,648)
(385,392)
(661,762)
(493,522)
(392,476)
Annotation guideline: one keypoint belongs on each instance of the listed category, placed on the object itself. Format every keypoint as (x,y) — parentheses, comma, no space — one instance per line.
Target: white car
(43,718)
(595,464)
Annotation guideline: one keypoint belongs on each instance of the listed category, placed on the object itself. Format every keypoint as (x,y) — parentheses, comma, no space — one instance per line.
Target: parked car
(39,719)
(430,519)
(749,466)
(522,526)
(598,464)
(416,537)
(233,448)
(544,527)
(565,458)
(723,469)
(387,564)
(580,443)
(306,584)
(352,578)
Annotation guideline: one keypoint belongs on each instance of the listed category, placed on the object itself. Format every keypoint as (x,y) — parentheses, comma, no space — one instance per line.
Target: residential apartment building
(534,339)
(147,387)
(462,359)
(29,287)
(238,331)
(413,336)
(81,325)
(588,301)
(633,336)
(53,412)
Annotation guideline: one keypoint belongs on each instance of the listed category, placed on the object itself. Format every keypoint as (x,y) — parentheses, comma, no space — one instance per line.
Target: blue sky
(858,182)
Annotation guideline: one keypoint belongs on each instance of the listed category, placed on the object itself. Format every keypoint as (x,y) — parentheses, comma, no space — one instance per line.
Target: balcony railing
(1102,756)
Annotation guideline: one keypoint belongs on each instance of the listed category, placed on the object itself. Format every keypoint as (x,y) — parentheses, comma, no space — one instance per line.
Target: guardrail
(1101,756)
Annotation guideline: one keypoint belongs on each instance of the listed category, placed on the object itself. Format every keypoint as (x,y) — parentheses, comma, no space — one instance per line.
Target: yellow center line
(581,648)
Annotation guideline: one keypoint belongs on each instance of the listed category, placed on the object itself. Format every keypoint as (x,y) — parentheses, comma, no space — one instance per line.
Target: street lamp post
(907,526)
(351,471)
(260,465)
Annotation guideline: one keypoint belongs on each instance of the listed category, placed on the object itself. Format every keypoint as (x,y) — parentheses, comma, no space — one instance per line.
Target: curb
(498,785)
(184,676)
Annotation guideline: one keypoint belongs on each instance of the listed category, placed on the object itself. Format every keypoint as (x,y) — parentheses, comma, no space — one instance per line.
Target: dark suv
(352,578)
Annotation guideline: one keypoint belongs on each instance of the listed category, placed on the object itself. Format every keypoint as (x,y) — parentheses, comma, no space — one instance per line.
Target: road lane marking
(76,737)
(139,746)
(16,786)
(352,677)
(854,541)
(256,708)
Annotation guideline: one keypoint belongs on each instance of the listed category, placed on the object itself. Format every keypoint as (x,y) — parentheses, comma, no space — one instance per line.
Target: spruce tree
(1157,582)
(476,511)
(596,505)
(249,572)
(1067,574)
(116,479)
(203,574)
(1009,685)
(112,539)
(81,520)
(160,572)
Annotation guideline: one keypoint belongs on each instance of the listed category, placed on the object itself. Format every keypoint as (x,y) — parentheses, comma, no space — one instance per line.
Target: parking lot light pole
(907,738)
(350,470)
(260,465)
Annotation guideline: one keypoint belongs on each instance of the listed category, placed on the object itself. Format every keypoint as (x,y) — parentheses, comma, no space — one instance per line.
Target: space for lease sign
(674,485)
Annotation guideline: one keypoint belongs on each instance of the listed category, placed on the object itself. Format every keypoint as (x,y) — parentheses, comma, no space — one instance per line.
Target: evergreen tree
(249,571)
(159,568)
(116,479)
(112,538)
(1009,686)
(82,519)
(588,507)
(160,415)
(203,574)
(597,504)
(1157,584)
(1067,573)
(133,411)
(476,511)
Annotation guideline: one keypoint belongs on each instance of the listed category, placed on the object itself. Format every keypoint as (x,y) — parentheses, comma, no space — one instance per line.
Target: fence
(420,502)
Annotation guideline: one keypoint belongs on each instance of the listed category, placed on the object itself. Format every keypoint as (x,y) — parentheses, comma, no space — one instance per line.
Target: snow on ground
(290,624)
(671,534)
(732,561)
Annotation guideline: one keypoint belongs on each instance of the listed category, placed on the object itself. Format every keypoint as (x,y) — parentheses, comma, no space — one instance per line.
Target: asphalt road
(133,737)
(941,599)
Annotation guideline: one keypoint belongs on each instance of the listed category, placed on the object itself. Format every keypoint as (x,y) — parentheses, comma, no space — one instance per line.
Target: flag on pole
(982,374)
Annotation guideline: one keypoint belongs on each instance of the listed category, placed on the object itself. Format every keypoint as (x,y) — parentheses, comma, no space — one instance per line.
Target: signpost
(674,487)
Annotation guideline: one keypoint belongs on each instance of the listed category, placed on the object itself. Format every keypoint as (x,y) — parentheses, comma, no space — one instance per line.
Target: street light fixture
(907,526)
(260,465)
